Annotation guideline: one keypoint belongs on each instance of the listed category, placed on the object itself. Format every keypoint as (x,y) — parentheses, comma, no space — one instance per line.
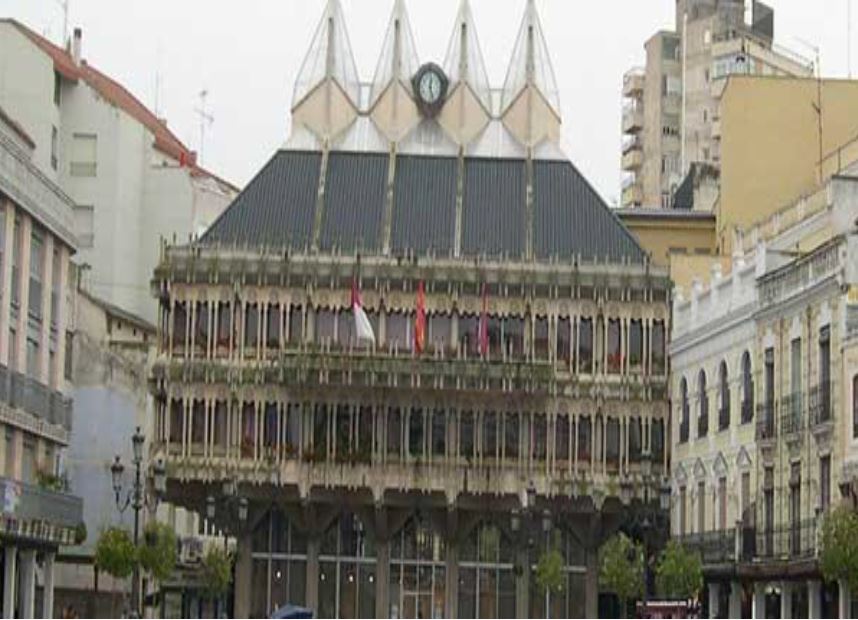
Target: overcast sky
(247,53)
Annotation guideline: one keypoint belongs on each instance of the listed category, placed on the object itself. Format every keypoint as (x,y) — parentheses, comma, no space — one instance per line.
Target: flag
(420,320)
(484,323)
(363,328)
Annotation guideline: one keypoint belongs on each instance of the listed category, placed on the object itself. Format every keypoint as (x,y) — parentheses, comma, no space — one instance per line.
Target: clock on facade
(430,88)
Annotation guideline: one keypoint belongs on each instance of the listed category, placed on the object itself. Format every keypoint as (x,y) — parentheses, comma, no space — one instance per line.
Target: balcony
(633,118)
(791,541)
(766,428)
(52,411)
(792,420)
(819,409)
(716,547)
(671,103)
(633,82)
(632,192)
(33,512)
(632,159)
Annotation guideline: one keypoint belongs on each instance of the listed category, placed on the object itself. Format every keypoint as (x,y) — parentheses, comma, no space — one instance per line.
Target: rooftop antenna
(817,107)
(64,5)
(206,119)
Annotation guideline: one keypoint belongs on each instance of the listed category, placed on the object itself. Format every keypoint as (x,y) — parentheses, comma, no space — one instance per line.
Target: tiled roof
(119,96)
(278,208)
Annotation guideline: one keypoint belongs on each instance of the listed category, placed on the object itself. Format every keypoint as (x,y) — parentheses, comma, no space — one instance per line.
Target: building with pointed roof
(512,399)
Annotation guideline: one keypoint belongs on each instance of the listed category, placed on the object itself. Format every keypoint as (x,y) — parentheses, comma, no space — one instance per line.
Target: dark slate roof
(277,208)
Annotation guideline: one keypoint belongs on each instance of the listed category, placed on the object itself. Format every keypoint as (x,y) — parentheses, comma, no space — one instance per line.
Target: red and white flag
(420,319)
(363,328)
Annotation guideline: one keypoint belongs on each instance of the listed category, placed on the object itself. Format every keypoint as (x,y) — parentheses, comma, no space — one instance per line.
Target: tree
(217,572)
(622,569)
(549,572)
(115,553)
(679,574)
(158,553)
(839,547)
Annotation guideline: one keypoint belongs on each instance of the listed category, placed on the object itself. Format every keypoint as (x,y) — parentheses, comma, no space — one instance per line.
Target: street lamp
(239,506)
(136,498)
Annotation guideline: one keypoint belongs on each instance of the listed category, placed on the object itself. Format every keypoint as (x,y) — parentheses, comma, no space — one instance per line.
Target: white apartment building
(765,375)
(132,180)
(38,515)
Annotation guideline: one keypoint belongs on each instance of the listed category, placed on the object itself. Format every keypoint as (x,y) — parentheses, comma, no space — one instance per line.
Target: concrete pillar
(9,581)
(735,610)
(28,583)
(452,576)
(786,599)
(312,584)
(591,585)
(48,585)
(758,606)
(382,579)
(814,598)
(844,604)
(714,591)
(522,584)
(243,576)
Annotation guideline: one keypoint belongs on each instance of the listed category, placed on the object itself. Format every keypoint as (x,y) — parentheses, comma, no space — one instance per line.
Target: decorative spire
(469,104)
(391,97)
(327,90)
(529,101)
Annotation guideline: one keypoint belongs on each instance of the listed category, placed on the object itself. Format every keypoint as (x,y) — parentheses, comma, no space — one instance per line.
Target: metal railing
(819,404)
(792,420)
(29,502)
(795,540)
(766,428)
(23,392)
(716,547)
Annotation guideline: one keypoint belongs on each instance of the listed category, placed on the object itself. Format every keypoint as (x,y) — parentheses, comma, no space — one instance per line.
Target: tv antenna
(206,119)
(64,5)
(817,106)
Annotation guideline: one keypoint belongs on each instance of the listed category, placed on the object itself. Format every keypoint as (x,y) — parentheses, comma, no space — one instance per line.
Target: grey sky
(247,54)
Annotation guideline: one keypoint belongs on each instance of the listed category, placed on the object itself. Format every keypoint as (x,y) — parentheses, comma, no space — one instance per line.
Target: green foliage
(50,481)
(158,552)
(217,572)
(622,568)
(549,572)
(114,553)
(679,574)
(80,533)
(839,546)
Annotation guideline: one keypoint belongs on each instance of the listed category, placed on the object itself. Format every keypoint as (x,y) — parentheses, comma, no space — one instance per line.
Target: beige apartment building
(671,106)
(37,516)
(765,378)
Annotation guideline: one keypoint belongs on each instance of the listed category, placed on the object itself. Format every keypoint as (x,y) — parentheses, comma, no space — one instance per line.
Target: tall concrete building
(765,425)
(671,107)
(38,516)
(418,350)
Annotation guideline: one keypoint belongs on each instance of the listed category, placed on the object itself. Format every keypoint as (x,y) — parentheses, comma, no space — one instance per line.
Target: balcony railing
(34,512)
(819,404)
(792,420)
(23,392)
(766,428)
(795,540)
(717,547)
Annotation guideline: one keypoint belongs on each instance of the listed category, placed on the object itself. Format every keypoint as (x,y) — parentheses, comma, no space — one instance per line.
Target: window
(54,147)
(564,335)
(722,503)
(701,507)
(16,264)
(658,348)
(682,510)
(855,407)
(58,86)
(747,389)
(84,222)
(513,337)
(825,482)
(84,155)
(67,363)
(37,270)
(272,329)
(824,396)
(490,435)
(2,241)
(703,398)
(724,410)
(746,497)
(636,344)
(585,346)
(251,328)
(56,279)
(614,356)
(685,414)
(540,338)
(33,356)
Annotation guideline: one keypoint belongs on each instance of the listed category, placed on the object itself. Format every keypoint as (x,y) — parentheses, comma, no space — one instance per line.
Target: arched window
(747,389)
(417,572)
(685,416)
(703,398)
(724,390)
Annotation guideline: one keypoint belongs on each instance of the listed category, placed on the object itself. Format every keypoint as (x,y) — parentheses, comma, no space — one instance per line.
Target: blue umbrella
(292,611)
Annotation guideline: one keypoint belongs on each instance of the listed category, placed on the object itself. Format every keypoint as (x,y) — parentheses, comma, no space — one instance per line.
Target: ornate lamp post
(230,502)
(137,498)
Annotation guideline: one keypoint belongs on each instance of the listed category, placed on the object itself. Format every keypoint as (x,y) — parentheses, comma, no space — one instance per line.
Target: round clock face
(430,87)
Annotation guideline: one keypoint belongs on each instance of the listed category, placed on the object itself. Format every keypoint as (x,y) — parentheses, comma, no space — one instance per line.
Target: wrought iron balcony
(22,392)
(819,404)
(792,419)
(795,540)
(716,547)
(33,512)
(766,428)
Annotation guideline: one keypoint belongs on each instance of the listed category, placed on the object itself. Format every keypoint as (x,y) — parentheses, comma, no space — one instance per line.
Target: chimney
(75,46)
